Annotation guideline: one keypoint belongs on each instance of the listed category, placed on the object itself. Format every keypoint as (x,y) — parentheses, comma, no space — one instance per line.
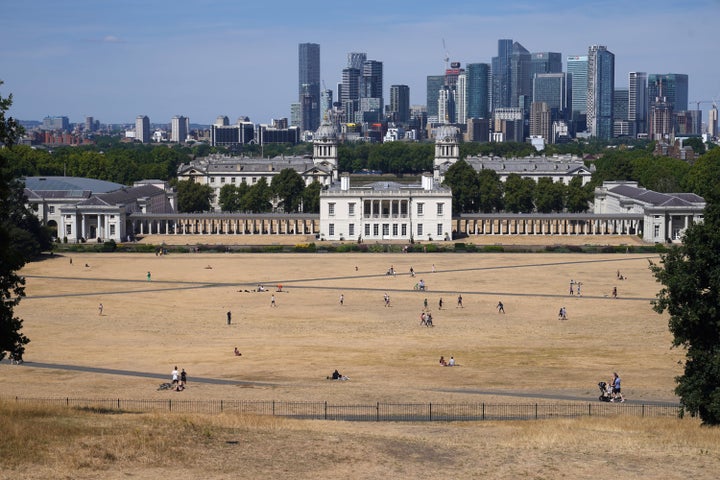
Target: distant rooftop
(50,183)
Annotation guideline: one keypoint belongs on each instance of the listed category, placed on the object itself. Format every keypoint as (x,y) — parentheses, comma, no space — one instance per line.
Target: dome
(447,133)
(326,132)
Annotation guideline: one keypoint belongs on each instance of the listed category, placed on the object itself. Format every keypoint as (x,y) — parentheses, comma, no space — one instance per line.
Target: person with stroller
(616,391)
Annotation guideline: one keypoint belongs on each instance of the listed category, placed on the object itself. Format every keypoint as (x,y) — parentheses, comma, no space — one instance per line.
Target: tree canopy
(690,275)
(193,197)
(288,186)
(22,238)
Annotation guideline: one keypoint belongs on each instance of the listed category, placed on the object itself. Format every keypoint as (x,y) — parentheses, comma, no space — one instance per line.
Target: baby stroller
(605,392)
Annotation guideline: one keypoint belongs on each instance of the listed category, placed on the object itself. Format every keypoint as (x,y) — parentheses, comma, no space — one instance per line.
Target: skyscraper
(309,85)
(551,88)
(434,84)
(638,102)
(142,129)
(520,77)
(577,70)
(713,121)
(674,89)
(461,99)
(326,102)
(478,90)
(501,74)
(600,90)
(371,86)
(179,128)
(350,91)
(400,103)
(545,62)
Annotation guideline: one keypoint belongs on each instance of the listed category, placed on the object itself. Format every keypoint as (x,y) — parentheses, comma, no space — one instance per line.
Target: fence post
(483,411)
(430,411)
(643,410)
(67,401)
(118,404)
(377,412)
(589,410)
(170,405)
(221,406)
(273,408)
(325,409)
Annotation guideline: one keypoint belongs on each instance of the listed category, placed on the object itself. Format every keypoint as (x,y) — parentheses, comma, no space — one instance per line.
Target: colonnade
(549,224)
(227,224)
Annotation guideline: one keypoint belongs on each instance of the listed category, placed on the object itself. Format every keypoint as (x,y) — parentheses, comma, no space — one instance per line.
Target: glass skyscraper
(309,85)
(400,103)
(674,88)
(600,91)
(434,84)
(478,81)
(638,102)
(551,88)
(577,70)
(501,74)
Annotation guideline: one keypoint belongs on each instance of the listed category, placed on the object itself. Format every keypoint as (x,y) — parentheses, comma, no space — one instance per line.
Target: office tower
(713,121)
(295,115)
(577,70)
(638,102)
(179,128)
(326,103)
(501,75)
(461,99)
(142,129)
(551,88)
(601,87)
(674,89)
(541,121)
(621,101)
(446,105)
(350,90)
(56,123)
(520,77)
(89,124)
(545,62)
(356,59)
(434,84)
(400,103)
(309,85)
(660,118)
(687,123)
(478,82)
(371,91)
(222,120)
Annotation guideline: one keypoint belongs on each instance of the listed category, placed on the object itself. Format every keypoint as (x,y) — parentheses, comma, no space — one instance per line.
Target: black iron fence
(377,412)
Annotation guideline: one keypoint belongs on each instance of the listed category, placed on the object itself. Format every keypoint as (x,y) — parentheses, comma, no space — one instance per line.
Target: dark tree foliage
(577,196)
(690,275)
(193,197)
(288,186)
(22,238)
(464,182)
(704,176)
(311,198)
(491,191)
(549,196)
(257,198)
(229,199)
(519,193)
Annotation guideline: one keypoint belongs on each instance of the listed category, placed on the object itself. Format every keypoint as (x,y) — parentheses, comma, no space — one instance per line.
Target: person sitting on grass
(443,362)
(237,352)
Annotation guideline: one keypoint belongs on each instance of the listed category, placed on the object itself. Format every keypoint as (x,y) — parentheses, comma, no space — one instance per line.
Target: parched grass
(67,443)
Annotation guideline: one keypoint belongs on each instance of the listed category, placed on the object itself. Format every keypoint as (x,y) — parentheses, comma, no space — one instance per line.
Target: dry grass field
(178,318)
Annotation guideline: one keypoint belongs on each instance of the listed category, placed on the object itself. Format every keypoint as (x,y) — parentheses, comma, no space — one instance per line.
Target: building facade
(179,128)
(638,102)
(142,129)
(383,211)
(309,85)
(600,91)
(400,103)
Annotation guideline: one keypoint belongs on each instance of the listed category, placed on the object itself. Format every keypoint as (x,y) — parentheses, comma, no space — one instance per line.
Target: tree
(519,193)
(549,195)
(491,191)
(288,186)
(257,198)
(311,198)
(193,197)
(22,237)
(465,185)
(577,196)
(229,200)
(690,275)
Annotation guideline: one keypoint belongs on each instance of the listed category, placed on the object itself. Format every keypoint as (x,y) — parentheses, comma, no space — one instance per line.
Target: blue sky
(116,59)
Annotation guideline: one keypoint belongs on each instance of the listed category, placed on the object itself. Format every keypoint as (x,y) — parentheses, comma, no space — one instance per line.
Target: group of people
(562,314)
(447,363)
(179,380)
(337,376)
(426,319)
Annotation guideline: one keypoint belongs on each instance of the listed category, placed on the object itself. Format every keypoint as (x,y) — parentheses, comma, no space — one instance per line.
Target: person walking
(459,304)
(183,378)
(342,299)
(148,276)
(440,304)
(100,309)
(616,391)
(501,308)
(272,301)
(229,317)
(425,304)
(174,375)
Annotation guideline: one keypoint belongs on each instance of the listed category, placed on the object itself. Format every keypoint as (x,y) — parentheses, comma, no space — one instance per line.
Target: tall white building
(461,103)
(179,128)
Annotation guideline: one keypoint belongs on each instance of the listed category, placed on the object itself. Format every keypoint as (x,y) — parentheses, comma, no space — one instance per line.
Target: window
(403,229)
(440,230)
(112,230)
(331,229)
(386,229)
(232,180)
(419,229)
(656,231)
(68,229)
(243,180)
(331,209)
(440,207)
(351,209)
(420,208)
(395,229)
(254,179)
(351,230)
(222,179)
(367,229)
(376,229)
(212,179)
(51,209)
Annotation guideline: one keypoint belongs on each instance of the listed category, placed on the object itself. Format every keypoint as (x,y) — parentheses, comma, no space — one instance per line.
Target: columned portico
(548,224)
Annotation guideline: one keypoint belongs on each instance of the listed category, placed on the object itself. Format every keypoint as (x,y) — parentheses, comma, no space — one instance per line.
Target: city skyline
(115,61)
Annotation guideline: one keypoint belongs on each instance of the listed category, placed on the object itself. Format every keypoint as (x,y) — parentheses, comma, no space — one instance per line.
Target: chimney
(427,181)
(345,182)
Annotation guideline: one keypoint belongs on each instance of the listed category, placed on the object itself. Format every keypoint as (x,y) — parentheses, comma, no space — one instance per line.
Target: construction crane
(698,102)
(447,54)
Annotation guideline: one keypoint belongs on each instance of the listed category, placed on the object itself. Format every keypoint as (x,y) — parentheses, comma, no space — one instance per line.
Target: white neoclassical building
(220,170)
(665,215)
(380,211)
(86,209)
(559,168)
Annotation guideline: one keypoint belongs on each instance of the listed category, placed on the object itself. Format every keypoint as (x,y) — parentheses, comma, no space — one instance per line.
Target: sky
(117,59)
